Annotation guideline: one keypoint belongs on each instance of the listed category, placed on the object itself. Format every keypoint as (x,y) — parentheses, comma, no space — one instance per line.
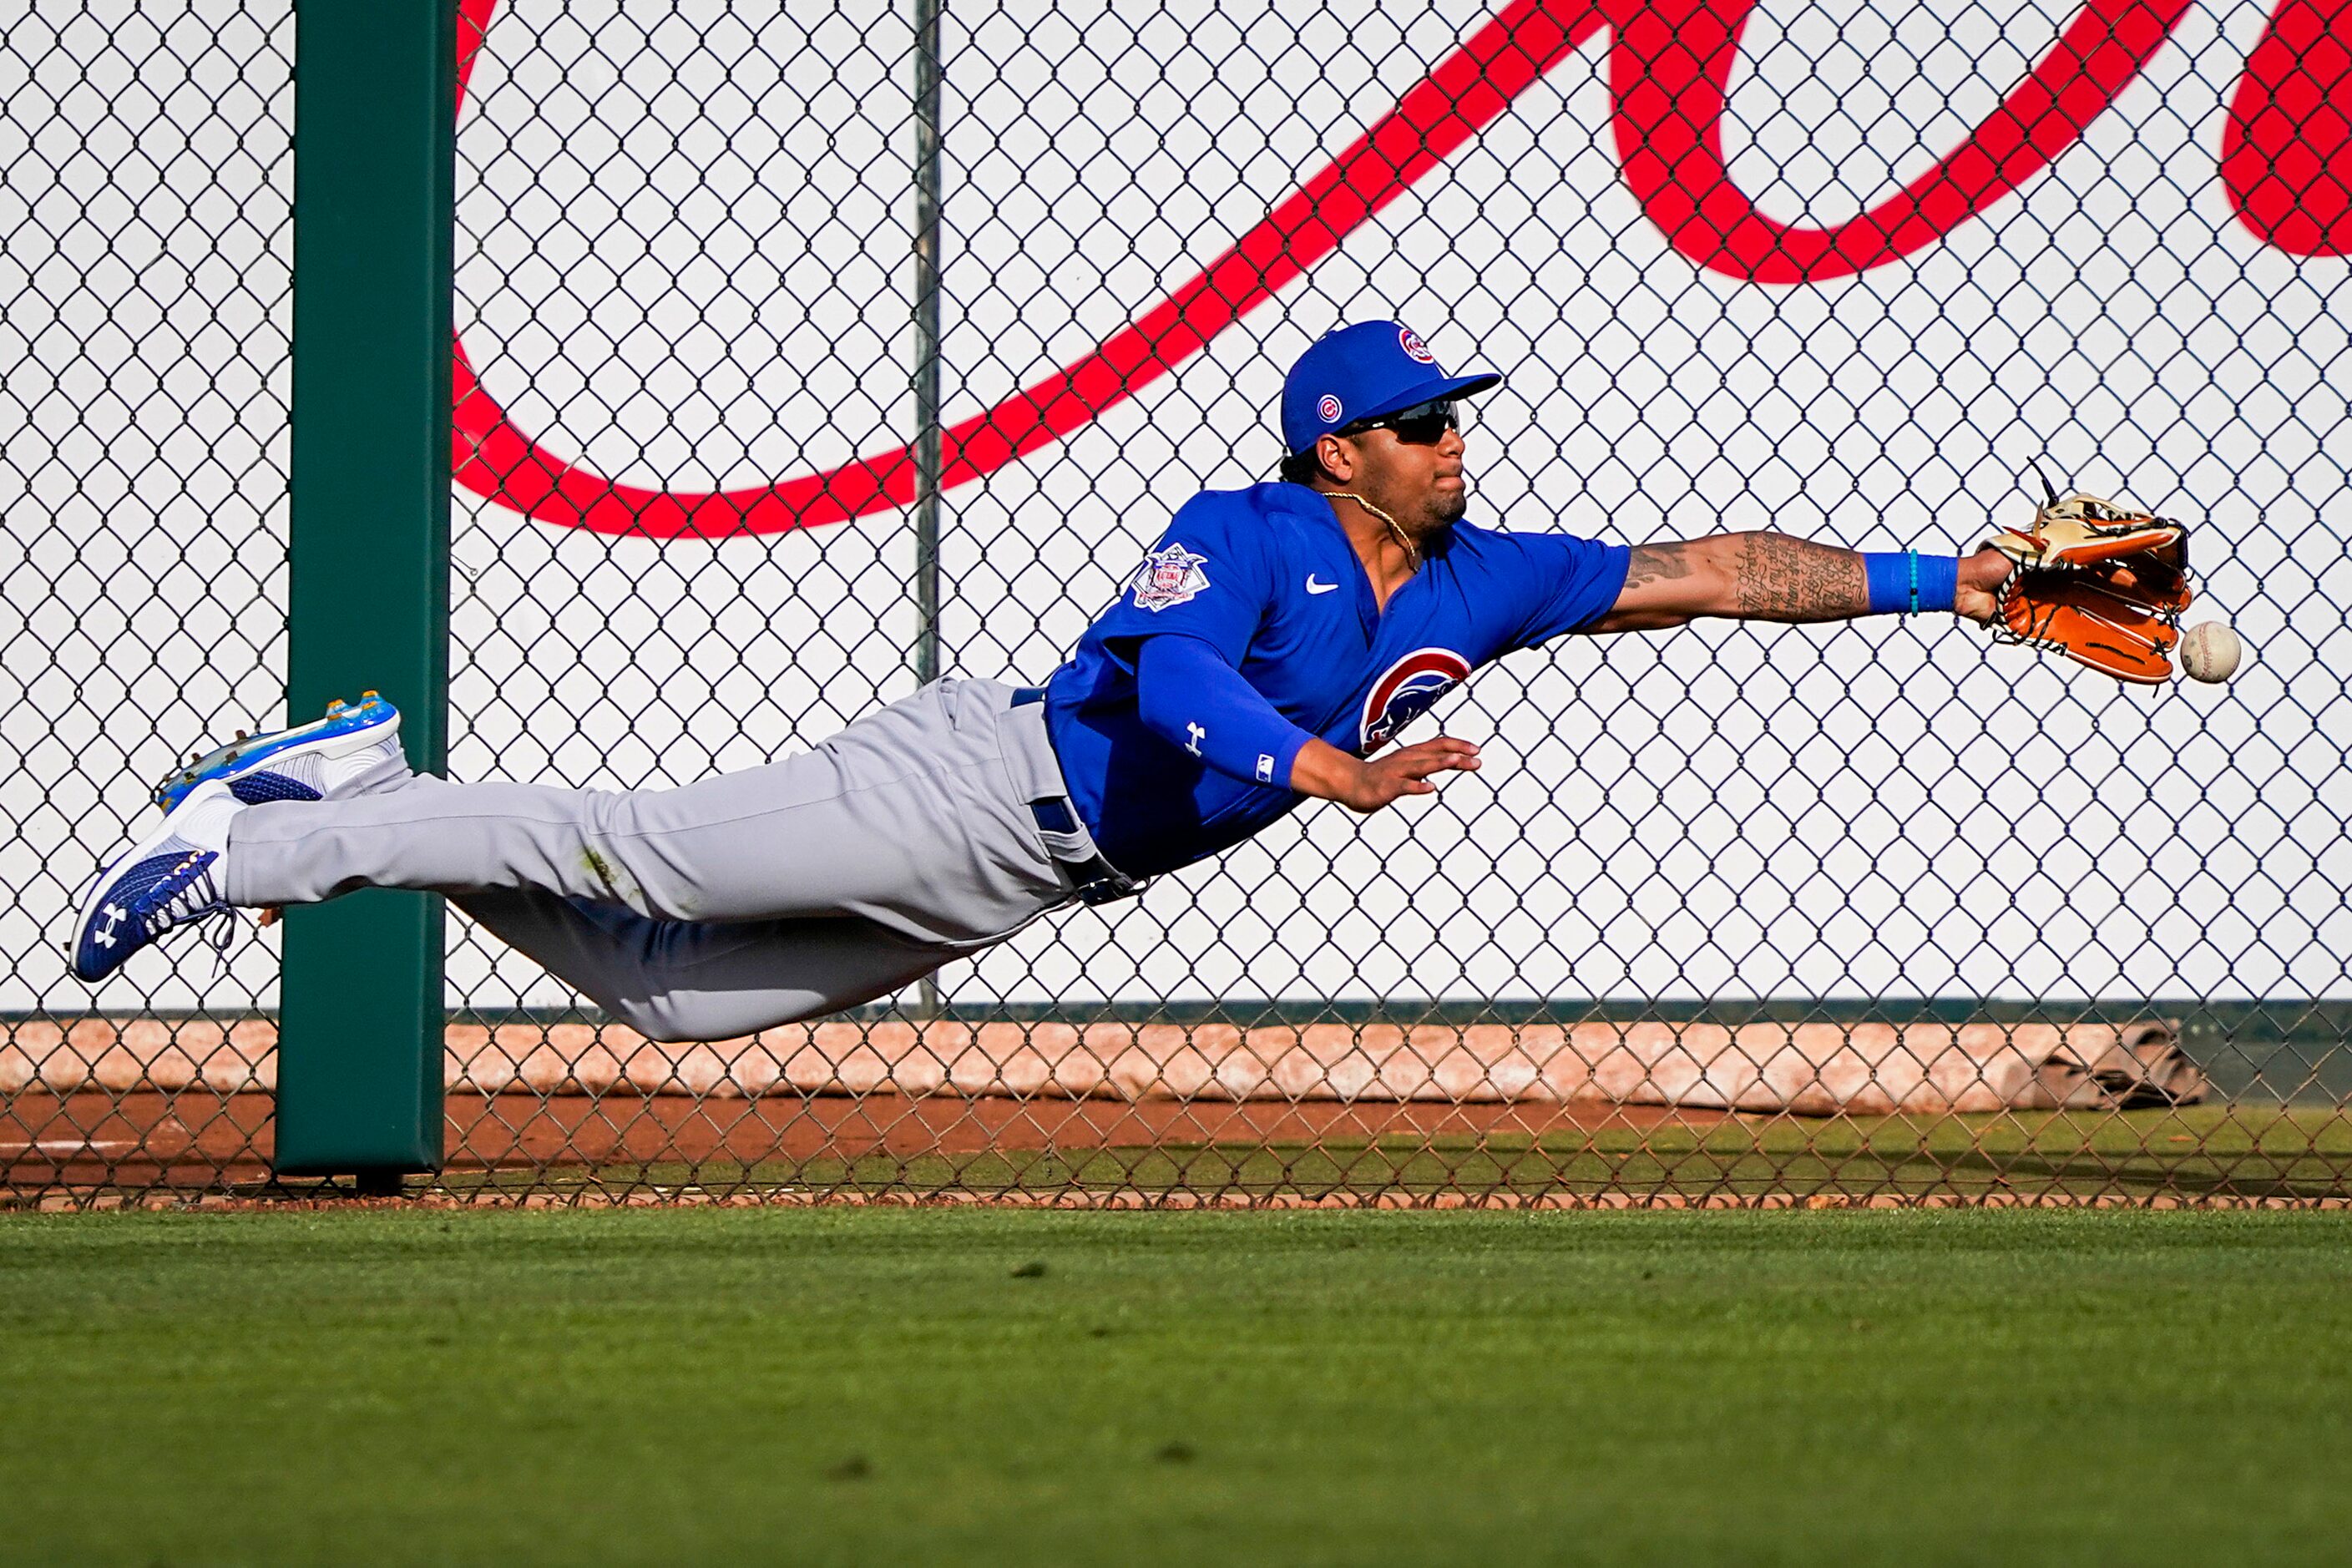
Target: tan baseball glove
(2100,582)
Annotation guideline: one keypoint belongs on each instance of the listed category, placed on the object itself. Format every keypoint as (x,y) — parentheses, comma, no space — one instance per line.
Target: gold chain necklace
(1412,551)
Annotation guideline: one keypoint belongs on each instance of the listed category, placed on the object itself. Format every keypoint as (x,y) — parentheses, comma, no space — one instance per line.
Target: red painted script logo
(2286,162)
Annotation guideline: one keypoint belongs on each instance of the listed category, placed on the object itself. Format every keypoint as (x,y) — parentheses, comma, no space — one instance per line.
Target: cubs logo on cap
(1361,372)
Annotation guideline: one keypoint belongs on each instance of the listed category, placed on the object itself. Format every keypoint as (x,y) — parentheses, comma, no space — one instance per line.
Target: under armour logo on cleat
(1315,587)
(115,916)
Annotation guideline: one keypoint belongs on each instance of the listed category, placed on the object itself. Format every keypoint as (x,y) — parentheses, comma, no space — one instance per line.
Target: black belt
(1099,881)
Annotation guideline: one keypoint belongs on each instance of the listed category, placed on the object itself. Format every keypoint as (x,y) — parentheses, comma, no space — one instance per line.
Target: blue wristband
(1939,582)
(1907,582)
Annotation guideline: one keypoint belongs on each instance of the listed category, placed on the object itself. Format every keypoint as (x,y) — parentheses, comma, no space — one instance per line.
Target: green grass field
(959,1386)
(2196,1152)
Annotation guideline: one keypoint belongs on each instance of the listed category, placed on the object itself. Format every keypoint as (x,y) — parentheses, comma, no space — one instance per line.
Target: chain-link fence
(1737,910)
(145,232)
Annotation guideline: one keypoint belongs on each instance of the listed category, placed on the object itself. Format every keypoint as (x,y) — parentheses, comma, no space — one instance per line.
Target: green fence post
(358,1055)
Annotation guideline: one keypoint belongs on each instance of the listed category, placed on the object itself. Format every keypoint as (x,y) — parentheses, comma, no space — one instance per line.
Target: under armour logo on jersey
(1198,734)
(1315,587)
(1169,577)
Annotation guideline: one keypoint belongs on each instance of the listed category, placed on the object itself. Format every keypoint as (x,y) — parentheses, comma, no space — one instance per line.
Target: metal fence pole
(361,1036)
(929,457)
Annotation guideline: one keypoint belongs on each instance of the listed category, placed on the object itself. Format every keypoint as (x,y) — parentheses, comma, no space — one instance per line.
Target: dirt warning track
(198,1139)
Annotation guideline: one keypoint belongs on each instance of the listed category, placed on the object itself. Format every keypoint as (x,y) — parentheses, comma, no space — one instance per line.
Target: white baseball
(2209,650)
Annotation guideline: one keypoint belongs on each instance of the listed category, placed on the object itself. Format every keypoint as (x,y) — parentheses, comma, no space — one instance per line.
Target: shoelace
(197,899)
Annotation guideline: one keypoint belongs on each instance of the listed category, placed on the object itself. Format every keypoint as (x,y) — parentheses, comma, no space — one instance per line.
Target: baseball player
(1274,642)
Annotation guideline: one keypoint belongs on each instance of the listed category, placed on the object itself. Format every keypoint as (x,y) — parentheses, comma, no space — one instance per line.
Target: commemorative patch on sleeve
(1169,576)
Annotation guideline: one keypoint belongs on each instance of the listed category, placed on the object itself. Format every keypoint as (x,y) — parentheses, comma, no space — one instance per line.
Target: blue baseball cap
(1361,372)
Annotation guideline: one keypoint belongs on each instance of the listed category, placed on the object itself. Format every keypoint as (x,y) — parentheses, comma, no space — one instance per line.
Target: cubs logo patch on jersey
(1170,577)
(1407,689)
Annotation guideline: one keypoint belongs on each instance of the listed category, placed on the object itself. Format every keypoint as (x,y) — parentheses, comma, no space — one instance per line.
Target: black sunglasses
(1423,425)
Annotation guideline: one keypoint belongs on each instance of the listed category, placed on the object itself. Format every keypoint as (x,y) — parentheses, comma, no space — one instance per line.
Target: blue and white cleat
(308,762)
(171,878)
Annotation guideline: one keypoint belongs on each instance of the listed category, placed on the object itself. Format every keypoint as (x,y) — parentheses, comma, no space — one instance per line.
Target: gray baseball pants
(732,904)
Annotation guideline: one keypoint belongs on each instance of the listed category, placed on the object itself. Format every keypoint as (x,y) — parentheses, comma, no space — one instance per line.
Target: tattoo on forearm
(1785,579)
(1657,564)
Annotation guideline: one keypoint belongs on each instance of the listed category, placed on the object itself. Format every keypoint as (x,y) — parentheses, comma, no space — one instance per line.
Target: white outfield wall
(684,264)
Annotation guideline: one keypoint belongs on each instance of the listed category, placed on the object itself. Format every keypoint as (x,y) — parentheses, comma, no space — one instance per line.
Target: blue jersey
(1267,577)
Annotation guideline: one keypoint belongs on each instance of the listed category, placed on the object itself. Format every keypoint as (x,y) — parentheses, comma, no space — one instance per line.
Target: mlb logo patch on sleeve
(1169,576)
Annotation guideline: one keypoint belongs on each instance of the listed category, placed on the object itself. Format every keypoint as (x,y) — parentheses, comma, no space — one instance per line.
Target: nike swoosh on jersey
(1315,587)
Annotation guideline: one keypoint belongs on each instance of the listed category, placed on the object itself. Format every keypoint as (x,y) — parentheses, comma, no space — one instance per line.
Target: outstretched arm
(1768,577)
(1187,695)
